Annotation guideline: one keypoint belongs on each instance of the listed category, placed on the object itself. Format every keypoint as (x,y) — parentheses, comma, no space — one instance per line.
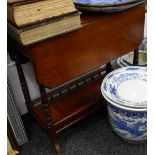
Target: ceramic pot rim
(119,103)
(124,107)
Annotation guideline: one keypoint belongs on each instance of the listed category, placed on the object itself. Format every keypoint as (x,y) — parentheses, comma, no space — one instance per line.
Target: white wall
(145,28)
(15,84)
(9,147)
(16,87)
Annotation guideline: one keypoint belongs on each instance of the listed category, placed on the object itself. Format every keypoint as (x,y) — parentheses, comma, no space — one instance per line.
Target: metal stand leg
(48,118)
(135,57)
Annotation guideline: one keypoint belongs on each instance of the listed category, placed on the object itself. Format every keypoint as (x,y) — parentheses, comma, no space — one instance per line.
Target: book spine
(64,27)
(10,15)
(11,7)
(18,2)
(14,1)
(30,14)
(49,20)
(13,32)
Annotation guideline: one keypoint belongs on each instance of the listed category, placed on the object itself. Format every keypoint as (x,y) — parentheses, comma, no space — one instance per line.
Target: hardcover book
(27,12)
(46,29)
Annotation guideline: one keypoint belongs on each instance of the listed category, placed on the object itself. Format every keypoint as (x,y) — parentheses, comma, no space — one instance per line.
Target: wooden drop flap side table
(72,66)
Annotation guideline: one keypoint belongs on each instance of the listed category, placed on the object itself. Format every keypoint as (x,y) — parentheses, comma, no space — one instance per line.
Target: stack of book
(30,21)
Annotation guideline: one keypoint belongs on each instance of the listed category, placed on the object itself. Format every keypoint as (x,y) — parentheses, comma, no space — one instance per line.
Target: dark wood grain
(97,43)
(101,39)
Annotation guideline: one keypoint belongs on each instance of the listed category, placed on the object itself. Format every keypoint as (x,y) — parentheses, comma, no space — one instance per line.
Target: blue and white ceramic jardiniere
(127,110)
(129,124)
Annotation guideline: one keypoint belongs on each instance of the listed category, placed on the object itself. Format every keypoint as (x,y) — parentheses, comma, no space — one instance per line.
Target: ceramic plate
(121,63)
(126,86)
(108,9)
(103,2)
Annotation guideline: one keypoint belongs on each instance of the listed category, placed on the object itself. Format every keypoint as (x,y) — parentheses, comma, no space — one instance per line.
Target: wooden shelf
(74,106)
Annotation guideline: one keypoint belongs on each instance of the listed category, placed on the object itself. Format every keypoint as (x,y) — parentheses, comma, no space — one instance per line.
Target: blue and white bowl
(104,2)
(143,45)
(125,92)
(127,60)
(142,58)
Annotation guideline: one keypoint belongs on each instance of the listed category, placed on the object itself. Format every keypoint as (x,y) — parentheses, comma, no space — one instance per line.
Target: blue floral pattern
(131,125)
(94,2)
(112,81)
(131,114)
(128,119)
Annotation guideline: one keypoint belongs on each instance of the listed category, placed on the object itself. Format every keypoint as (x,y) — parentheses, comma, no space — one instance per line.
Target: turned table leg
(135,57)
(108,67)
(23,83)
(48,118)
(45,104)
